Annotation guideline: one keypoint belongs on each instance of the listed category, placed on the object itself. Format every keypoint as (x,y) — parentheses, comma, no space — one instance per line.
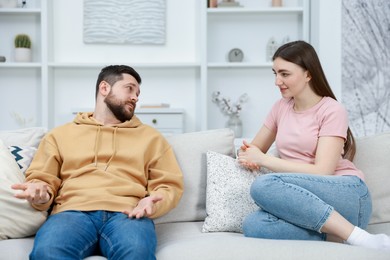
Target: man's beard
(118,108)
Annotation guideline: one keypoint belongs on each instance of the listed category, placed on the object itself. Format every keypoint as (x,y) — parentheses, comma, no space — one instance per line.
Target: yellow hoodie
(89,166)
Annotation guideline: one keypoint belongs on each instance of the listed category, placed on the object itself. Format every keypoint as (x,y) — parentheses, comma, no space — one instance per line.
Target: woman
(316,193)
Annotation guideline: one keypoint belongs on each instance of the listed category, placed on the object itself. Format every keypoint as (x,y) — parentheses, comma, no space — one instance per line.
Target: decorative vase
(22,55)
(235,124)
(213,3)
(277,3)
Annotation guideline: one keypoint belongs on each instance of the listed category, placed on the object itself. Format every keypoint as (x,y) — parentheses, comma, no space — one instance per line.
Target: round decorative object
(235,55)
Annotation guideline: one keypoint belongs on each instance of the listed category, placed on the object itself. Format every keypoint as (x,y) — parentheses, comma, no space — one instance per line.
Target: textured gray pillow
(190,150)
(228,200)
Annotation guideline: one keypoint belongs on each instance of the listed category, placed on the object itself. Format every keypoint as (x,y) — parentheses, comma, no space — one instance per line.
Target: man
(105,176)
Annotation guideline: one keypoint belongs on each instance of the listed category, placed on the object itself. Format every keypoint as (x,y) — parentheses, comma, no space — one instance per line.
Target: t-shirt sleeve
(334,121)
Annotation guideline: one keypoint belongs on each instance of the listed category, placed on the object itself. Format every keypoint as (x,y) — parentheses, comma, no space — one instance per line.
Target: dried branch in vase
(227,106)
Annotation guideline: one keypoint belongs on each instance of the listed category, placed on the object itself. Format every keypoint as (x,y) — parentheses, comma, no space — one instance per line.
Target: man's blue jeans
(296,206)
(77,235)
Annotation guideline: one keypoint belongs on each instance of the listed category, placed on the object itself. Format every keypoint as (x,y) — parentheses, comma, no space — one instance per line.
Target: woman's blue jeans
(296,206)
(79,234)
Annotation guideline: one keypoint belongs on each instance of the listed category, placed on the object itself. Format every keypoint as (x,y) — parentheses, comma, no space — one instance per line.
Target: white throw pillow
(17,217)
(25,137)
(228,200)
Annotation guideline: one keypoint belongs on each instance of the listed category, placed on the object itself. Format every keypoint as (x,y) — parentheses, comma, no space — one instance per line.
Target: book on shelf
(156,105)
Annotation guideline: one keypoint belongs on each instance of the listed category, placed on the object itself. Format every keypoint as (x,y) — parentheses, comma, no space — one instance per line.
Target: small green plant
(22,41)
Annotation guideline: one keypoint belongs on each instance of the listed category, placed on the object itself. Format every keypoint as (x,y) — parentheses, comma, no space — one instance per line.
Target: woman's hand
(250,156)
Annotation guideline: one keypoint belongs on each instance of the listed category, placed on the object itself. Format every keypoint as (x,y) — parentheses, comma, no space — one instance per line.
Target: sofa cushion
(190,150)
(24,137)
(17,217)
(372,158)
(185,240)
(227,195)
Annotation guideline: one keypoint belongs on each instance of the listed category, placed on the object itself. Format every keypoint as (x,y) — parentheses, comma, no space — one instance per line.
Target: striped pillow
(22,155)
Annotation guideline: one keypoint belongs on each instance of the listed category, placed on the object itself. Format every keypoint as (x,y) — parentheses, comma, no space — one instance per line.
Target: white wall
(75,86)
(182,45)
(180,88)
(326,38)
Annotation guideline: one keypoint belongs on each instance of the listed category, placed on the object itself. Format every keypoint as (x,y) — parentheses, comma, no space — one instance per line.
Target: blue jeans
(79,234)
(296,206)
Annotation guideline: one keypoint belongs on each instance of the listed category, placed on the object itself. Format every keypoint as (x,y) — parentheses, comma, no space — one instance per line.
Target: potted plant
(22,48)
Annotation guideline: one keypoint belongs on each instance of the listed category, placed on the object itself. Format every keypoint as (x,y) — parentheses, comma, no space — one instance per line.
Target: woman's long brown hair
(303,54)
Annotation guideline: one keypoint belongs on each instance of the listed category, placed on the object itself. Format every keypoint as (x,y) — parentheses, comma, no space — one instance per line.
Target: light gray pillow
(17,217)
(23,137)
(372,158)
(228,200)
(190,150)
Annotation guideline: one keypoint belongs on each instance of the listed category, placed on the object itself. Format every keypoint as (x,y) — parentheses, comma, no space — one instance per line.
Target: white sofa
(181,233)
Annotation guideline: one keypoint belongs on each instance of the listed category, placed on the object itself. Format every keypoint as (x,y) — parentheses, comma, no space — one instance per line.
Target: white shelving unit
(45,90)
(21,82)
(248,27)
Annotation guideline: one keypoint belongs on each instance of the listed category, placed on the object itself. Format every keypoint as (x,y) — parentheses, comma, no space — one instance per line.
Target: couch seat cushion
(186,241)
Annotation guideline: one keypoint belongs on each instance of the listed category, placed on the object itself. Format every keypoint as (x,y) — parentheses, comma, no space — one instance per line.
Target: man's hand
(35,192)
(145,207)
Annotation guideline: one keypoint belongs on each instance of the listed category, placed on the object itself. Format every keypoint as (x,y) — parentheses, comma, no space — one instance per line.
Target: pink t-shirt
(297,132)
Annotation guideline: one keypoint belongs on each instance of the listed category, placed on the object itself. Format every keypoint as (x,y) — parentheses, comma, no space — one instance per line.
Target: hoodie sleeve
(45,168)
(166,179)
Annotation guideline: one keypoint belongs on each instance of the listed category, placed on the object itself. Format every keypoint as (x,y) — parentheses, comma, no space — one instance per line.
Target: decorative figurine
(272,46)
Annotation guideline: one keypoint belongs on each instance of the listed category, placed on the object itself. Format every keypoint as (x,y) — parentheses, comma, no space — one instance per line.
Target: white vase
(22,55)
(235,124)
(8,3)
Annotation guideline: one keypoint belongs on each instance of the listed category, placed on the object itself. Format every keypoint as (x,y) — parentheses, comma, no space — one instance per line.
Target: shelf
(138,110)
(240,65)
(22,65)
(250,28)
(159,110)
(20,10)
(240,10)
(184,80)
(71,65)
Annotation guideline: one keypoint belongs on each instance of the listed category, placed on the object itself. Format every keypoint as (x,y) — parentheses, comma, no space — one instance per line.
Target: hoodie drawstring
(97,147)
(113,147)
